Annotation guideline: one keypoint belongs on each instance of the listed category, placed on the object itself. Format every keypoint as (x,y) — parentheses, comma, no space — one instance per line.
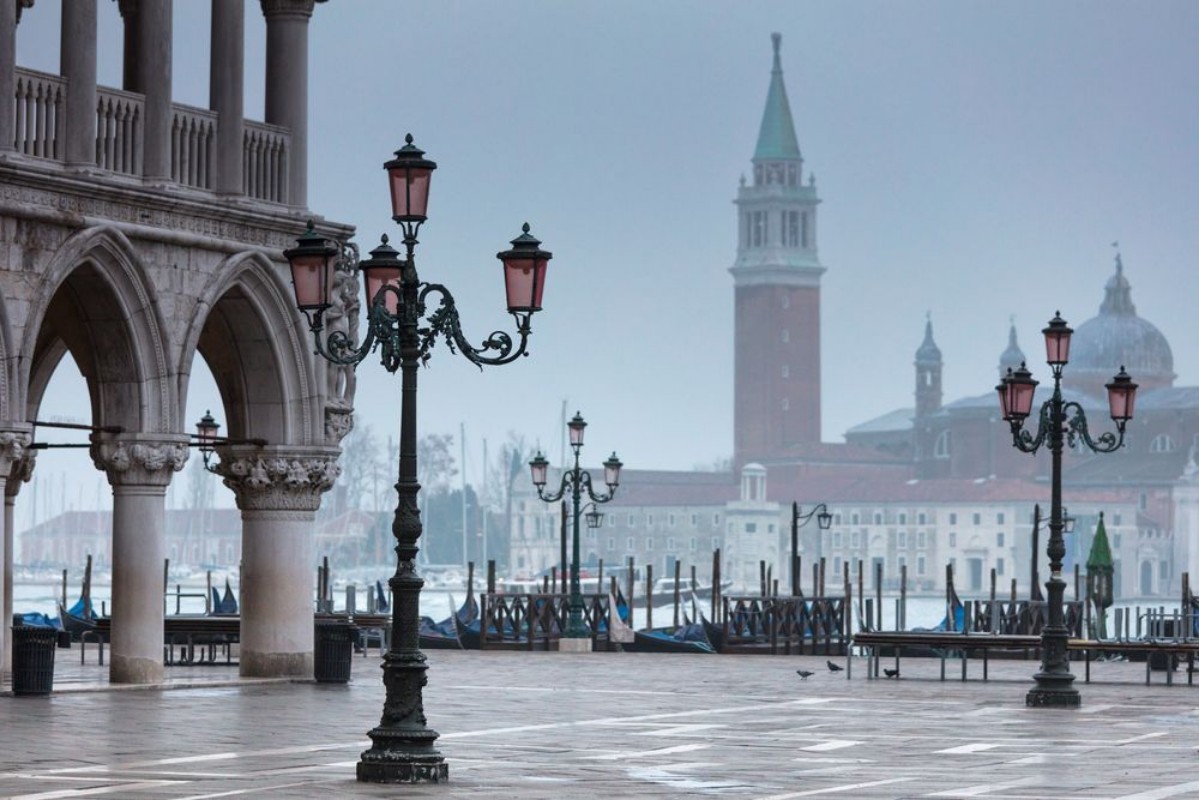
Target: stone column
(131,79)
(78,66)
(139,470)
(154,71)
(16,467)
(226,88)
(287,84)
(278,491)
(8,82)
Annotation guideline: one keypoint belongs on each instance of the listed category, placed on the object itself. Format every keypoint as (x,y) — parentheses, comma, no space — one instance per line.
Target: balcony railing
(120,137)
(39,108)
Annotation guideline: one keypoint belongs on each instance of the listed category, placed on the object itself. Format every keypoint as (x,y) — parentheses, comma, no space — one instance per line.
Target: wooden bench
(380,623)
(198,638)
(966,643)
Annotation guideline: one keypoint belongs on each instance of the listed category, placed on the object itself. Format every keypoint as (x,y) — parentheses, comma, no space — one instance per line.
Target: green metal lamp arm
(444,321)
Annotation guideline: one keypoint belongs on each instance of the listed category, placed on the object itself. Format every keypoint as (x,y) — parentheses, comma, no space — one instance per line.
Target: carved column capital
(280,479)
(16,459)
(132,461)
(21,6)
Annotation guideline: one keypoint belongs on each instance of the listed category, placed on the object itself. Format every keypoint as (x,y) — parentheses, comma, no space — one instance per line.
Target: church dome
(1013,356)
(1119,338)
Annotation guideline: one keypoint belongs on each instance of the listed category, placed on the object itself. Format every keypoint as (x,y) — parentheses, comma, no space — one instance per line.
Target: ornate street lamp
(824,521)
(404,330)
(577,481)
(1060,422)
(207,439)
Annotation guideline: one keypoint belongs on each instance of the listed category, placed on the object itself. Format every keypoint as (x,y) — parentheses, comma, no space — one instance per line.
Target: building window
(670,544)
(715,543)
(793,234)
(943,445)
(786,404)
(953,539)
(611,520)
(853,519)
(695,520)
(758,228)
(611,543)
(953,519)
(878,519)
(837,565)
(919,565)
(1161,443)
(921,518)
(1115,519)
(785,335)
(649,544)
(999,518)
(901,539)
(695,544)
(716,520)
(631,520)
(903,518)
(649,520)
(837,539)
(670,521)
(785,300)
(751,527)
(978,518)
(921,540)
(855,540)
(803,233)
(786,371)
(999,539)
(630,544)
(1163,570)
(999,566)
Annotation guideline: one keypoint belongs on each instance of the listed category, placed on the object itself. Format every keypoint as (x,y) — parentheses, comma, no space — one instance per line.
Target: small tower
(777,292)
(1013,356)
(928,373)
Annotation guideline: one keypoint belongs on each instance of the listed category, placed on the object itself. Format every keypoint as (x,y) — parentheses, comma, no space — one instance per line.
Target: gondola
(78,619)
(683,639)
(446,635)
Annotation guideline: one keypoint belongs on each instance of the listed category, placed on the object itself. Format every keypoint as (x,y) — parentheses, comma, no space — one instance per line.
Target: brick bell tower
(777,293)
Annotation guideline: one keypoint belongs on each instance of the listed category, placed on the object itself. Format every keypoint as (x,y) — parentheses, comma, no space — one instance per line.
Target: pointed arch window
(944,445)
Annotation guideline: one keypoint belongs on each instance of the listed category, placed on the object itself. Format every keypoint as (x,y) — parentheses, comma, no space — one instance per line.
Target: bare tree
(435,461)
(360,456)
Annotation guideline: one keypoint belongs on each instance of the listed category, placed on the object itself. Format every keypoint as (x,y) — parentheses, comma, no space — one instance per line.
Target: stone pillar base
(574,645)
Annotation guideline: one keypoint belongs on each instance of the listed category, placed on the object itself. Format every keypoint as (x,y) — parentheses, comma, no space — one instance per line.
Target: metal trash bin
(33,659)
(334,651)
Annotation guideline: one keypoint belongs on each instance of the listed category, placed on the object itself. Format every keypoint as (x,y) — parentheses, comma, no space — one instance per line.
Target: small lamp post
(1060,422)
(207,438)
(404,330)
(577,480)
(824,521)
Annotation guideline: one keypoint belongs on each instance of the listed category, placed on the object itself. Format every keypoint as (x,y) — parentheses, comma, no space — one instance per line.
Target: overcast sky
(975,161)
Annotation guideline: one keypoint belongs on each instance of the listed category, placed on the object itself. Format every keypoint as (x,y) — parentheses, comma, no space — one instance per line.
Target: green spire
(776,138)
(1101,552)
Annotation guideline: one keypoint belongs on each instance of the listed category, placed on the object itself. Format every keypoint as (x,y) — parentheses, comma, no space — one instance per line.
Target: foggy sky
(975,161)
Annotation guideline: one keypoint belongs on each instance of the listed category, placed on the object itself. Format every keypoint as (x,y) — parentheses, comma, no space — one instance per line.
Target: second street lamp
(577,481)
(824,521)
(1061,422)
(401,327)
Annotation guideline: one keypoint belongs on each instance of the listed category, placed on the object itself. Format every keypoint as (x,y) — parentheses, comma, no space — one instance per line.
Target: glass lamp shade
(524,272)
(1067,522)
(1102,587)
(576,426)
(312,271)
(1016,394)
(409,174)
(1121,396)
(824,520)
(612,471)
(206,431)
(383,268)
(539,467)
(595,517)
(1057,341)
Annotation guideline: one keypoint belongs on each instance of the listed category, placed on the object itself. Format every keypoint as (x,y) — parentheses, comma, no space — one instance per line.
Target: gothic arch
(97,302)
(8,392)
(244,326)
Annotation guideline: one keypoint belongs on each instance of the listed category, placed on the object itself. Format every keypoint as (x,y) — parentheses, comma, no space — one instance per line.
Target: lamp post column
(403,744)
(1055,682)
(576,629)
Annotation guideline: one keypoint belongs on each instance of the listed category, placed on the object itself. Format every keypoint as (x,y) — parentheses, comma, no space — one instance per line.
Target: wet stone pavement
(614,725)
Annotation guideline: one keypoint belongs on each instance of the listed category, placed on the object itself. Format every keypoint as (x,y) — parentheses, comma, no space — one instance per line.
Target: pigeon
(891,673)
(834,667)
(803,673)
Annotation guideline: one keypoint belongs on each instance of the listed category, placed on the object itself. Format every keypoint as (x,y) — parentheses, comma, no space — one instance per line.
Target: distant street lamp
(401,327)
(824,521)
(207,439)
(1060,422)
(576,480)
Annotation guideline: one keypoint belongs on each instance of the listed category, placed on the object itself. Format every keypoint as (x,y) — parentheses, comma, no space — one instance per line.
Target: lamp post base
(567,645)
(400,767)
(1053,690)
